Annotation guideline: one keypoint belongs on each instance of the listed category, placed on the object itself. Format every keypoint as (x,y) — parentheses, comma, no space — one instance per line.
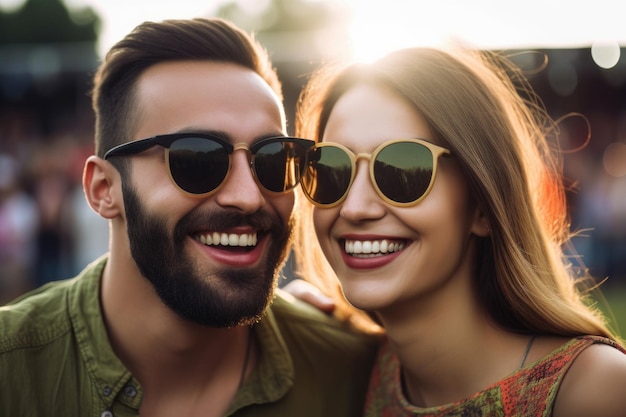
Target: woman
(439,206)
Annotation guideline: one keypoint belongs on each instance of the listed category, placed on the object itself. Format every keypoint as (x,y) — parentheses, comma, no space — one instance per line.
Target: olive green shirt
(56,359)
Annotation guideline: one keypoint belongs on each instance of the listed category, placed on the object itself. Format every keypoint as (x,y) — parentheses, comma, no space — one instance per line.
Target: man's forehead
(203,95)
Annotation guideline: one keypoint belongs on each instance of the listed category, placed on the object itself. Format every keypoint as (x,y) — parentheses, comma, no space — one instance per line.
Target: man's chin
(228,298)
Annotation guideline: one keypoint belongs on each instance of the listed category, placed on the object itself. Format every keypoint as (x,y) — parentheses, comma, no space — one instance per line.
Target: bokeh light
(615,159)
(11,5)
(605,54)
(563,78)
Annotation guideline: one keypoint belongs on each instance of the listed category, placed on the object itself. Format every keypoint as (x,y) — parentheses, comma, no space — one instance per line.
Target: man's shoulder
(304,321)
(45,313)
(36,317)
(40,350)
(319,364)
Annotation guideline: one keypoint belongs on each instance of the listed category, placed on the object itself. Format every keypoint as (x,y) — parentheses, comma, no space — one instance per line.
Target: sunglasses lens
(403,171)
(278,165)
(198,165)
(328,174)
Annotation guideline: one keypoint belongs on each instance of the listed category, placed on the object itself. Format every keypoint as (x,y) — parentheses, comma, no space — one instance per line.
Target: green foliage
(616,297)
(49,22)
(279,15)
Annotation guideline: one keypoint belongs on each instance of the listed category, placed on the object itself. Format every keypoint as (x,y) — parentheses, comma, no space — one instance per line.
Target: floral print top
(529,392)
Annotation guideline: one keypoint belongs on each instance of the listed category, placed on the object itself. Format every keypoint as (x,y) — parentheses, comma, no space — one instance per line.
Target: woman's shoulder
(594,384)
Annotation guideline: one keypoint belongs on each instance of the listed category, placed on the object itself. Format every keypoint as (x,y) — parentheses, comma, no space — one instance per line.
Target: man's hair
(114,88)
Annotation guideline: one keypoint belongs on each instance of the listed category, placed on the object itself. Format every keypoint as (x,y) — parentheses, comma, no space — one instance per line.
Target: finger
(307,292)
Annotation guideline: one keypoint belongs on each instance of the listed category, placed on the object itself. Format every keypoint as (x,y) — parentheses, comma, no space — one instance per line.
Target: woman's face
(428,244)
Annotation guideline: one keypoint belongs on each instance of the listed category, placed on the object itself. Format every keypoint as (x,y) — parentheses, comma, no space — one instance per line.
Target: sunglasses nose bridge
(244,147)
(361,200)
(241,146)
(239,188)
(365,156)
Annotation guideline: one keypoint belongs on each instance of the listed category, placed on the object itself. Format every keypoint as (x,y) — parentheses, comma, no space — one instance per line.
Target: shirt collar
(105,369)
(270,381)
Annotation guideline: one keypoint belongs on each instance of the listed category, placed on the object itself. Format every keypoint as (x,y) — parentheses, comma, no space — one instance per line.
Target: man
(196,176)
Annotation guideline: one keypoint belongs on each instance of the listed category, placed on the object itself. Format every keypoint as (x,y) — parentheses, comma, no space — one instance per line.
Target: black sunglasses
(401,170)
(199,163)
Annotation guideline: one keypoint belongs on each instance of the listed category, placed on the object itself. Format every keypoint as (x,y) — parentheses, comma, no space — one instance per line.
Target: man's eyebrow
(228,137)
(212,132)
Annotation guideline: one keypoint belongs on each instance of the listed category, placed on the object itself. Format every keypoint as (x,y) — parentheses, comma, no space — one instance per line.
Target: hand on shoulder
(594,385)
(307,292)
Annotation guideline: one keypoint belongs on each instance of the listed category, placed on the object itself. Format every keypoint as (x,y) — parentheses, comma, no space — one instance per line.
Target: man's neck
(188,366)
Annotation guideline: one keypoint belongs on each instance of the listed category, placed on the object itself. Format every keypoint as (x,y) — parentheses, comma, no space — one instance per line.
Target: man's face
(228,281)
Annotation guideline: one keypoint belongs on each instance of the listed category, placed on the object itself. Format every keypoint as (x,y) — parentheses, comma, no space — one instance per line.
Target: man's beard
(204,294)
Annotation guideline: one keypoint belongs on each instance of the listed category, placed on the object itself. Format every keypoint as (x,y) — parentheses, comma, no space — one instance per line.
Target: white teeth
(372,247)
(227,239)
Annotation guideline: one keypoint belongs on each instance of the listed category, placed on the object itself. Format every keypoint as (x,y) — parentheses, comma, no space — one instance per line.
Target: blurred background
(49,50)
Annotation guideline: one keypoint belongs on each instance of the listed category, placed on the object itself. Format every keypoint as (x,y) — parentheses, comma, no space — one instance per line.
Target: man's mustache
(216,220)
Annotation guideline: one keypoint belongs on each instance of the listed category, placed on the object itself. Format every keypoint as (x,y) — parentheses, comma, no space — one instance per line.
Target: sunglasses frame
(166,141)
(435,150)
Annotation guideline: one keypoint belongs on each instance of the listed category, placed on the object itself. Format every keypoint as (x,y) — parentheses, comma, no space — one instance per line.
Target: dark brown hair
(113,94)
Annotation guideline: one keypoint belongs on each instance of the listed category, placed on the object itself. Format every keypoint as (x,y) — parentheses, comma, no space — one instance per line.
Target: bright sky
(489,23)
(379,25)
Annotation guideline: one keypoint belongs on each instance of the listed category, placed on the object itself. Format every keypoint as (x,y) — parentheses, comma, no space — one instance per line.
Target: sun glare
(374,31)
(369,41)
(375,28)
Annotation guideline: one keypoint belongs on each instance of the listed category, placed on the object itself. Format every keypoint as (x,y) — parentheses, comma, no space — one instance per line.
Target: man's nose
(240,189)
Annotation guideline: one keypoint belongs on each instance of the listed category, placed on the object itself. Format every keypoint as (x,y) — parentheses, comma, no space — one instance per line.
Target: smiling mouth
(372,248)
(228,240)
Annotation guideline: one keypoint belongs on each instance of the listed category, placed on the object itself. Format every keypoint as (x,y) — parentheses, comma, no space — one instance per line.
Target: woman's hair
(482,108)
(114,90)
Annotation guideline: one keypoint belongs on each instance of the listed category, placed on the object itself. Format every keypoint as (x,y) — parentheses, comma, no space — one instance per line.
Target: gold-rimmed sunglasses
(401,170)
(199,163)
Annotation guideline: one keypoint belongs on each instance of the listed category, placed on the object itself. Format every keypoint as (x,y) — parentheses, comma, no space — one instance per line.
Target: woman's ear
(101,185)
(481,226)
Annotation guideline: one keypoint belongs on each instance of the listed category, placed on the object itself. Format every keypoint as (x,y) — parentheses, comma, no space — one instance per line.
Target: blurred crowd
(595,173)
(47,230)
(598,210)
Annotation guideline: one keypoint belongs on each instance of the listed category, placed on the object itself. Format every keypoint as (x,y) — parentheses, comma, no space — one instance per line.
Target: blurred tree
(298,34)
(48,21)
(278,15)
(292,30)
(46,54)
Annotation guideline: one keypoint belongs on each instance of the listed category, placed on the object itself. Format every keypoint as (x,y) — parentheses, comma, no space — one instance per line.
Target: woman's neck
(450,351)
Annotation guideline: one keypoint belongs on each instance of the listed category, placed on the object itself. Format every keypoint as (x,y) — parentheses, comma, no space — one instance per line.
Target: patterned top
(529,392)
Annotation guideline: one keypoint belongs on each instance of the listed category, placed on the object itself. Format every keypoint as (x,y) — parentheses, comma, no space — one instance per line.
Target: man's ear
(480,226)
(102,187)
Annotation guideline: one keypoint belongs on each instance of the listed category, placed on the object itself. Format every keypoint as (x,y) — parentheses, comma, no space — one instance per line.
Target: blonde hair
(482,108)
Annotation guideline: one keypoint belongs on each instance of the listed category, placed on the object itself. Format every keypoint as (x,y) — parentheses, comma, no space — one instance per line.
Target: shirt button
(130,391)
(106,413)
(107,391)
